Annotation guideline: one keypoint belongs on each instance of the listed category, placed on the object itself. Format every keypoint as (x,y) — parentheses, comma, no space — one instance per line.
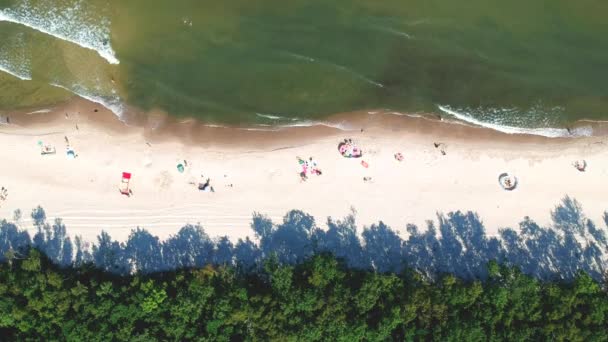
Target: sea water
(510,65)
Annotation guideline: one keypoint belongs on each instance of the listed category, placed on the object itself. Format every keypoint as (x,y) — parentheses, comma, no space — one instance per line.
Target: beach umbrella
(71,154)
(180,168)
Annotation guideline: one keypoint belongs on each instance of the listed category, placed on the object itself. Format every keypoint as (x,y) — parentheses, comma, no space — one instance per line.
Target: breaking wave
(268,116)
(65,23)
(40,111)
(273,128)
(112,103)
(275,117)
(545,132)
(341,126)
(20,74)
(13,49)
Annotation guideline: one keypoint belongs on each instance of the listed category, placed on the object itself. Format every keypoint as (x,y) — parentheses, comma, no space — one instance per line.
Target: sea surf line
(545,132)
(15,74)
(115,105)
(52,27)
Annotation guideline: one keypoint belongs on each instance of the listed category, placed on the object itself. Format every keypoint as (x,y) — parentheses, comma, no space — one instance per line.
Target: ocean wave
(268,116)
(260,128)
(356,74)
(300,124)
(65,24)
(40,111)
(335,66)
(113,103)
(341,126)
(409,115)
(20,75)
(275,117)
(298,56)
(393,32)
(545,132)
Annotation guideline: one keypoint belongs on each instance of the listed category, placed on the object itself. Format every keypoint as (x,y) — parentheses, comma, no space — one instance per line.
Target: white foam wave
(593,121)
(410,115)
(394,32)
(298,56)
(341,126)
(20,75)
(64,24)
(545,132)
(268,116)
(275,117)
(112,103)
(258,129)
(300,124)
(40,111)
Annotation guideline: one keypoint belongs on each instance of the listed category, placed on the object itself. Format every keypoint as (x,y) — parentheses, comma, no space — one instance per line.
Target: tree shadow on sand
(455,243)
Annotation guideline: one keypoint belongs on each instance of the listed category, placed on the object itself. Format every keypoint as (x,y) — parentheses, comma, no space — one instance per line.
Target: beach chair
(124,184)
(47,149)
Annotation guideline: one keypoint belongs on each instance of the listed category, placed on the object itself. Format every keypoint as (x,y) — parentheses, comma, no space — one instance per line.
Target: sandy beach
(258,171)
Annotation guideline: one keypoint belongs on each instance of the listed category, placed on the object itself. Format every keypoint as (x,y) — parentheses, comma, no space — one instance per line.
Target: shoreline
(347,121)
(263,169)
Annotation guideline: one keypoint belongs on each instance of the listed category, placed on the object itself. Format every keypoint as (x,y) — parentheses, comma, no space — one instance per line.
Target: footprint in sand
(147,162)
(164,180)
(272,173)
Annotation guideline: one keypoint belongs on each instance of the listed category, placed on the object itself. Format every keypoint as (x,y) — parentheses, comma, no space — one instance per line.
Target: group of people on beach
(348,149)
(308,167)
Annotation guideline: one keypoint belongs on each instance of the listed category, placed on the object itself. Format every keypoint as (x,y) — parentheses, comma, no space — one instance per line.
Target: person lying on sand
(206,185)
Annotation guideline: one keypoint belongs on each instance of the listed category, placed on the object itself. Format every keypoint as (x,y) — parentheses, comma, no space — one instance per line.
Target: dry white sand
(84,191)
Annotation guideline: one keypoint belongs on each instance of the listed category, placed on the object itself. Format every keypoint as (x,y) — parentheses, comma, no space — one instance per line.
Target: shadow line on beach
(455,243)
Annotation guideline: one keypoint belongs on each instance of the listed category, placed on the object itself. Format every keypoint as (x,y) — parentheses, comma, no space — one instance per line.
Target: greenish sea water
(514,63)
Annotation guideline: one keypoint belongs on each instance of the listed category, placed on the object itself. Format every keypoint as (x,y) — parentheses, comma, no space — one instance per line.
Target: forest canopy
(316,300)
